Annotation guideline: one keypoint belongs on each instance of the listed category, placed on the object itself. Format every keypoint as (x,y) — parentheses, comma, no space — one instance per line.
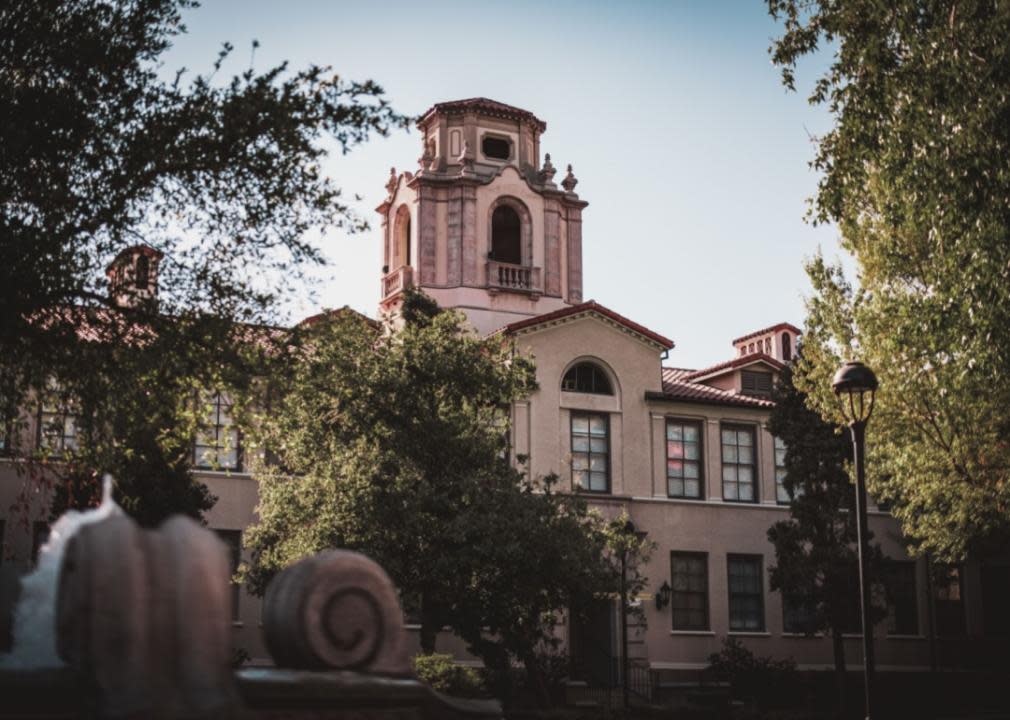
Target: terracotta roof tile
(590,306)
(735,363)
(676,386)
(482,105)
(772,328)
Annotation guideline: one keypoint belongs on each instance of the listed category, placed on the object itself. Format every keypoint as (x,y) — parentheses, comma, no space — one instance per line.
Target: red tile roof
(482,105)
(678,386)
(590,306)
(735,363)
(773,328)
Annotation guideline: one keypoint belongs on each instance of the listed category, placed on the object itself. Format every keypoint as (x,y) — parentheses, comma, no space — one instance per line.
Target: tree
(816,560)
(223,177)
(914,173)
(395,445)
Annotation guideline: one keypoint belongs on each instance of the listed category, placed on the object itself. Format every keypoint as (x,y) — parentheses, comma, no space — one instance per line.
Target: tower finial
(391,183)
(570,181)
(548,171)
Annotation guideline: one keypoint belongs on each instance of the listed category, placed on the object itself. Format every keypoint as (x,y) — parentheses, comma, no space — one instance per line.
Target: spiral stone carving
(336,610)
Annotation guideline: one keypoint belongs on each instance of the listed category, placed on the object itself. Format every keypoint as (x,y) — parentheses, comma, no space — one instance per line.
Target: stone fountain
(122,622)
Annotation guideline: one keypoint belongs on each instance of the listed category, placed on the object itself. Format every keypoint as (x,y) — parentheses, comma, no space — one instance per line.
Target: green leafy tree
(394,444)
(914,174)
(221,174)
(815,549)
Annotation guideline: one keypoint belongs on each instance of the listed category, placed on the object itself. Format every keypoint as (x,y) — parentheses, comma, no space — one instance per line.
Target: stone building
(483,226)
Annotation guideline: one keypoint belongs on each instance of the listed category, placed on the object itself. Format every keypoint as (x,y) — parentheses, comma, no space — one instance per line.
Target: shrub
(767,682)
(441,673)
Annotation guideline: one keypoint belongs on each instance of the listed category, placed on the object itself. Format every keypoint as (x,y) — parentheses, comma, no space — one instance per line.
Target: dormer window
(586,377)
(506,235)
(496,148)
(755,383)
(143,272)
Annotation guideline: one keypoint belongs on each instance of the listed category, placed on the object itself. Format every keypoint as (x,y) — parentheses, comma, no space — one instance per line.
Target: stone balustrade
(511,277)
(398,280)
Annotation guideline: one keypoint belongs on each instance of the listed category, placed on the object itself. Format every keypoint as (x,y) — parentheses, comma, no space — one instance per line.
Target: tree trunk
(430,625)
(536,682)
(838,648)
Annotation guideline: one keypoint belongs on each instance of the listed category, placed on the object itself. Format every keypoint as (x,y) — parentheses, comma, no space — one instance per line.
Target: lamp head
(854,381)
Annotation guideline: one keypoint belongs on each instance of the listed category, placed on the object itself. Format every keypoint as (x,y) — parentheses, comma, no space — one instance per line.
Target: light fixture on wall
(663,595)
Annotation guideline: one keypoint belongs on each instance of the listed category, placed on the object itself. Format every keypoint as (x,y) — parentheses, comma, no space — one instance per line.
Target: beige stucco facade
(440,232)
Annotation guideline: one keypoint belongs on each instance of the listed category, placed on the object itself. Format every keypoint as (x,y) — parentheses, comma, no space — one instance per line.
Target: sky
(692,155)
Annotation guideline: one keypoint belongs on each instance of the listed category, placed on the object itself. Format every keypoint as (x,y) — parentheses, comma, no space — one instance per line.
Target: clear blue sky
(692,155)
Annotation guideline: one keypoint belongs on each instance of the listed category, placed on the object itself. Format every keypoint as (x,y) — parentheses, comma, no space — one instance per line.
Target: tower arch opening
(506,235)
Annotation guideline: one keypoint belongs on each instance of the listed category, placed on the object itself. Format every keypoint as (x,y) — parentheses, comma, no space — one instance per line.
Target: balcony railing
(506,276)
(400,279)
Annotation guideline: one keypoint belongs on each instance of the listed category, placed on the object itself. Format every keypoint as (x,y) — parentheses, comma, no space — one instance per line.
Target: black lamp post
(855,384)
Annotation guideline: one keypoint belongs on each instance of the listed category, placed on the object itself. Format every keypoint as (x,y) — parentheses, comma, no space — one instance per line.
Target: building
(482,226)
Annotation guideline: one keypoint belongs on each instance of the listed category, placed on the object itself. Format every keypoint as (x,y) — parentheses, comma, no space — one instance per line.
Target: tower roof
(484,106)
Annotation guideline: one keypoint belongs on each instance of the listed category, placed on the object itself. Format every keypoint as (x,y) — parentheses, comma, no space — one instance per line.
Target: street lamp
(856,385)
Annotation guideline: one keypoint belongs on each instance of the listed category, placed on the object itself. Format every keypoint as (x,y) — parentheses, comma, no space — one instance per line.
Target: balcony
(512,278)
(400,279)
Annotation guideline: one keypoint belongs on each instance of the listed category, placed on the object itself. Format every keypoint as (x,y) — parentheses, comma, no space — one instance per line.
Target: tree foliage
(815,549)
(395,444)
(101,152)
(915,174)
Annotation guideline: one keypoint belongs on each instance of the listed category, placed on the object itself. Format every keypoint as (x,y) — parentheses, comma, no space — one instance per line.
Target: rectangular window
(902,603)
(591,451)
(781,494)
(755,383)
(689,600)
(217,440)
(798,615)
(746,593)
(949,606)
(233,539)
(996,598)
(683,459)
(57,432)
(739,465)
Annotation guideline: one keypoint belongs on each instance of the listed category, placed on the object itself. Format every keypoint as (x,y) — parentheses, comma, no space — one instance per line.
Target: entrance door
(592,641)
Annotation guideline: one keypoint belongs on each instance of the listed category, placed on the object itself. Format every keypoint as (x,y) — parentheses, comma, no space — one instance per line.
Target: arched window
(402,235)
(143,273)
(588,378)
(787,347)
(506,235)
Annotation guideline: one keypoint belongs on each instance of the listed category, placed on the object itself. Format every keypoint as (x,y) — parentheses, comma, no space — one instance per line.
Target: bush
(762,680)
(441,673)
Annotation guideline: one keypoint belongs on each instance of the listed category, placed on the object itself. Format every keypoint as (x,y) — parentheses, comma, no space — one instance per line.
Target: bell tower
(481,225)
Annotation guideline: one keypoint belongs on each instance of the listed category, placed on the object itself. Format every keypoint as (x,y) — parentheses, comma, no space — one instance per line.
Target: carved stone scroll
(336,610)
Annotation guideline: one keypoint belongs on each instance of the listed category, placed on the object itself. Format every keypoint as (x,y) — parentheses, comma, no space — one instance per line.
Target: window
(496,148)
(233,539)
(755,383)
(738,464)
(217,441)
(401,233)
(689,600)
(746,593)
(588,378)
(590,451)
(782,495)
(57,424)
(506,235)
(143,272)
(799,615)
(995,598)
(902,606)
(949,606)
(40,534)
(787,347)
(683,459)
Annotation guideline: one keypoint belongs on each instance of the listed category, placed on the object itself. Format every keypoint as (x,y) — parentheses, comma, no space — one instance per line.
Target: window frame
(597,371)
(699,425)
(589,414)
(707,625)
(753,465)
(56,405)
(760,594)
(501,138)
(198,461)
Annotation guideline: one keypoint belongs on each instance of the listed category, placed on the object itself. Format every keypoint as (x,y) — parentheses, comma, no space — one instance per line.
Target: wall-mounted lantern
(663,595)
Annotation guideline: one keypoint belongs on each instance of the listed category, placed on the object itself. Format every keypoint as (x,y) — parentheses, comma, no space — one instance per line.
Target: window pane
(676,487)
(598,445)
(729,491)
(728,437)
(580,423)
(744,438)
(675,449)
(580,443)
(674,432)
(691,470)
(691,433)
(692,488)
(597,425)
(745,455)
(729,453)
